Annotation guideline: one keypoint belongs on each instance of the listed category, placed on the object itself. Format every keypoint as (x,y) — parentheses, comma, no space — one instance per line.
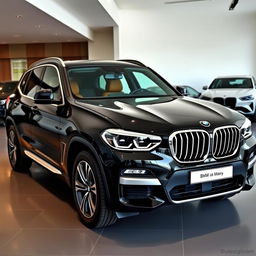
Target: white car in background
(236,92)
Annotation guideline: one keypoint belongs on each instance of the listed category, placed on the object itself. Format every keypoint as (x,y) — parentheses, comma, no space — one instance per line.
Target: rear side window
(33,84)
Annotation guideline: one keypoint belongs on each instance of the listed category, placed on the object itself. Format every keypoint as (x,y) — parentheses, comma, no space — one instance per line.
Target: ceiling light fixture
(184,1)
(19,16)
(233,5)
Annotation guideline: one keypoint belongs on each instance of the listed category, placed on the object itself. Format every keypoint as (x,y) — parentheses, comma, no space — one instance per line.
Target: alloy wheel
(85,189)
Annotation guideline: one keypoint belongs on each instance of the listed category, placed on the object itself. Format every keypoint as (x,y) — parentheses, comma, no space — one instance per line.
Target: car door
(45,119)
(23,106)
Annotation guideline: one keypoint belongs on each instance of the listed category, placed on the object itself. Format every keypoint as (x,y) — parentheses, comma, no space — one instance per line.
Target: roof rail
(134,62)
(55,60)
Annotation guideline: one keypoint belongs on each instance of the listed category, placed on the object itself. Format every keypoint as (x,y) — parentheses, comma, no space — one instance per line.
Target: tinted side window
(51,81)
(23,82)
(192,92)
(33,84)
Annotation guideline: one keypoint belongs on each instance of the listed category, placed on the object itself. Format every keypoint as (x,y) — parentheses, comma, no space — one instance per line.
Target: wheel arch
(76,145)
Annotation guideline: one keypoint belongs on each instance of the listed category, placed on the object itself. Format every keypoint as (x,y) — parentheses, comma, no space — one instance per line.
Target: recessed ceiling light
(19,16)
(57,34)
(38,26)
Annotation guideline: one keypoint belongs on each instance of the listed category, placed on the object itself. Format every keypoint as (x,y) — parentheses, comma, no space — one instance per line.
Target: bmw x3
(124,139)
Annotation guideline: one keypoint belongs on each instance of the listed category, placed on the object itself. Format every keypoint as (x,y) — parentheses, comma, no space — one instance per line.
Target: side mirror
(44,97)
(205,87)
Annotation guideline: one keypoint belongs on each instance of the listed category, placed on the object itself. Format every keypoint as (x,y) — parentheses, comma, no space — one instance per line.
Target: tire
(18,161)
(89,193)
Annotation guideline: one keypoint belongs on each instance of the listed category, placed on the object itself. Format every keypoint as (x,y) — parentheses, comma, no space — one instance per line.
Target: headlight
(246,129)
(132,141)
(2,102)
(249,97)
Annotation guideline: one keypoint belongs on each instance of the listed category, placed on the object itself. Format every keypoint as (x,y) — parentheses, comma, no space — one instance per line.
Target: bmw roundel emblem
(205,123)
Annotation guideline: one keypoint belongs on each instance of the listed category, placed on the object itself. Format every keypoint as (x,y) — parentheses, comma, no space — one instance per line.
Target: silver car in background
(236,92)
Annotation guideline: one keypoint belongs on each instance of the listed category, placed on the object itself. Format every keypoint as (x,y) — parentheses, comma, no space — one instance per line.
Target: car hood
(162,115)
(212,93)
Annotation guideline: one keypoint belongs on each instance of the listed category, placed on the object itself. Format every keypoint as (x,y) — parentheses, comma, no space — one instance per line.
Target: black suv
(124,139)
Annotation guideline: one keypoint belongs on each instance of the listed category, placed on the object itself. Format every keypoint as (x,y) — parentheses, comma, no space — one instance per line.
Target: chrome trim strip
(61,87)
(42,162)
(207,197)
(252,162)
(139,181)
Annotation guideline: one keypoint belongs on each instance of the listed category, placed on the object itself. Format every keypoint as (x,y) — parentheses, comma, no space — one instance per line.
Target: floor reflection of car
(6,89)
(188,91)
(236,92)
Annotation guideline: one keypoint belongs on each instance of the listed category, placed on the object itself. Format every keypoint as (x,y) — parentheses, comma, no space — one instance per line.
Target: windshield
(231,83)
(116,82)
(7,87)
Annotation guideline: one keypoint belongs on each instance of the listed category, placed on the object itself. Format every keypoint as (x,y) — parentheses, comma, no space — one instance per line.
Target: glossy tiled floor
(37,217)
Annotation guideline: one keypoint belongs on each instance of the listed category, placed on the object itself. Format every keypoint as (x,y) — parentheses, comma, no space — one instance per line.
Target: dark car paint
(4,95)
(44,129)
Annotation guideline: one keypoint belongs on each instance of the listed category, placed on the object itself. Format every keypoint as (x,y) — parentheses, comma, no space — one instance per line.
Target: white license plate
(211,174)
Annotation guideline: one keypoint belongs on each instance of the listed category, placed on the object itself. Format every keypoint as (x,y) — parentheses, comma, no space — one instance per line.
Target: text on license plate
(211,174)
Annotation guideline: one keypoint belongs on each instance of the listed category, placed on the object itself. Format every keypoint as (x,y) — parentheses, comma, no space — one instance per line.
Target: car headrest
(75,88)
(114,86)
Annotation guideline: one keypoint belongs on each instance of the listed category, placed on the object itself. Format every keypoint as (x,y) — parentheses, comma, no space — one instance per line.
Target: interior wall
(190,45)
(34,52)
(102,46)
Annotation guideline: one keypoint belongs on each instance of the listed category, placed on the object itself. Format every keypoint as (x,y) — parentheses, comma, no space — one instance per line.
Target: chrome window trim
(238,143)
(185,131)
(41,66)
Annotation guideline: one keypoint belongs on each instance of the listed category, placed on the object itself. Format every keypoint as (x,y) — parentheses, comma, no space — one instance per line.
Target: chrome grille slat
(190,146)
(228,142)
(186,146)
(197,150)
(192,136)
(181,145)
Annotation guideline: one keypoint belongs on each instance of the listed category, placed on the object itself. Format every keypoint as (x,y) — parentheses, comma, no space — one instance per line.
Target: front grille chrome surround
(193,146)
(190,146)
(226,141)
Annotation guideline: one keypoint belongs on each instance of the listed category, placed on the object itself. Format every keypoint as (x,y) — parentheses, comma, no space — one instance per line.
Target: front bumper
(167,182)
(246,107)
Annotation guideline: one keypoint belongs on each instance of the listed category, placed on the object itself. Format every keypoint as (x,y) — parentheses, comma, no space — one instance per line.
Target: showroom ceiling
(243,5)
(26,22)
(23,23)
